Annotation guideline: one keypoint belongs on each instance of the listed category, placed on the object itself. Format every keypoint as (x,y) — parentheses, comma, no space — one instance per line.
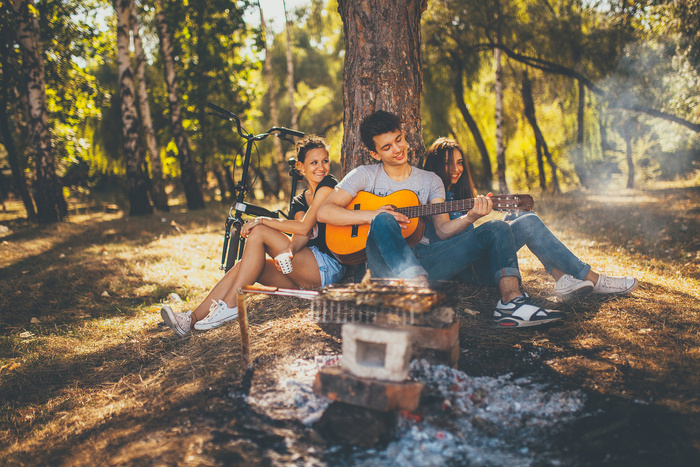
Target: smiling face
(316,165)
(391,148)
(454,166)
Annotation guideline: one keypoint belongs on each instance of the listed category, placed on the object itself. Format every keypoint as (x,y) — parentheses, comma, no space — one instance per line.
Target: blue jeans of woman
(388,254)
(529,230)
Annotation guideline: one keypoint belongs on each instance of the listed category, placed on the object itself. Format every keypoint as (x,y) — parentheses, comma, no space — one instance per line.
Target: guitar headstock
(513,203)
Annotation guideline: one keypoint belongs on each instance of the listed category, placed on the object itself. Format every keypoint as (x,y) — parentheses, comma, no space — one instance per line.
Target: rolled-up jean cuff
(412,272)
(583,273)
(505,272)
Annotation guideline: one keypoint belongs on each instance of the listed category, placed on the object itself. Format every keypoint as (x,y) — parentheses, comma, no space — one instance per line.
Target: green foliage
(634,52)
(631,51)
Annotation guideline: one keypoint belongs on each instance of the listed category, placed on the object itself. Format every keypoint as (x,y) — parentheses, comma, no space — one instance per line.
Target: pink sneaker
(180,323)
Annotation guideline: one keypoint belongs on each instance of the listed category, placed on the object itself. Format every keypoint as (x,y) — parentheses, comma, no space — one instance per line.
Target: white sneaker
(615,285)
(567,287)
(219,313)
(180,323)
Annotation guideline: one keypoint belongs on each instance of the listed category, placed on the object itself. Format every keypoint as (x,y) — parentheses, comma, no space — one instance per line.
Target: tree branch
(555,68)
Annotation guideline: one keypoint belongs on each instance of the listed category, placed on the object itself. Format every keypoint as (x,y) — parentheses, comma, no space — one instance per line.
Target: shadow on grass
(658,224)
(73,272)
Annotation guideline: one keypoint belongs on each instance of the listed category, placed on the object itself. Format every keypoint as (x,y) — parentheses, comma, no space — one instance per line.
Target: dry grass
(98,380)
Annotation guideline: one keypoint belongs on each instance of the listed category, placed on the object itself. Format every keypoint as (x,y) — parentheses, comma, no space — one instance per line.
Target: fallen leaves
(9,366)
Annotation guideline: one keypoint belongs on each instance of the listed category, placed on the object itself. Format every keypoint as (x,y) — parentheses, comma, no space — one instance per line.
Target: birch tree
(48,195)
(290,69)
(158,195)
(137,181)
(193,193)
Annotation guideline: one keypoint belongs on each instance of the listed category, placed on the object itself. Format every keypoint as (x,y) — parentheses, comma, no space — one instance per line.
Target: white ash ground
(469,420)
(293,397)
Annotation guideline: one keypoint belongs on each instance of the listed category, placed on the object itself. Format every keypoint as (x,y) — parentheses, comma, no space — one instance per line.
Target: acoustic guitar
(348,241)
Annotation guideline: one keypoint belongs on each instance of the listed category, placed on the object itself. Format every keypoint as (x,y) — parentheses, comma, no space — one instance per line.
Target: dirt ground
(97,379)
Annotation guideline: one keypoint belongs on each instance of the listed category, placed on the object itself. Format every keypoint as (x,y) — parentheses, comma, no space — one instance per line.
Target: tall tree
(580,131)
(8,106)
(193,193)
(629,128)
(269,77)
(48,194)
(382,71)
(290,68)
(281,164)
(137,181)
(486,172)
(540,143)
(454,50)
(500,136)
(158,195)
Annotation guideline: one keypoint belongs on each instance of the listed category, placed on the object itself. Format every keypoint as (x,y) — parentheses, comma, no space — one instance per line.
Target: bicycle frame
(233,243)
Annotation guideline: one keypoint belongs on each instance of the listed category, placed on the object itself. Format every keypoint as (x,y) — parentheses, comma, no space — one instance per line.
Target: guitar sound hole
(355,228)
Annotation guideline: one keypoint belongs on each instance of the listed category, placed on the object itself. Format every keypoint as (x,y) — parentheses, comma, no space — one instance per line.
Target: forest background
(543,95)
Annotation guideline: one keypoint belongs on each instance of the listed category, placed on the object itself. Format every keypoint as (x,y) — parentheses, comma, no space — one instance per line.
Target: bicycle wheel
(234,240)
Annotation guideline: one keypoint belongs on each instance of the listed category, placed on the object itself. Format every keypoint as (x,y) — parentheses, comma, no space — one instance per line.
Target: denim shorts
(330,268)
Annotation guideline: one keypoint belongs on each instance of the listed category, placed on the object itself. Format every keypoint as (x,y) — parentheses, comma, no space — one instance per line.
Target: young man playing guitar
(388,253)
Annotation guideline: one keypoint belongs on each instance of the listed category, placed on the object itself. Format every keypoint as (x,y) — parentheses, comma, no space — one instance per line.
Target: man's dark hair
(378,123)
(308,143)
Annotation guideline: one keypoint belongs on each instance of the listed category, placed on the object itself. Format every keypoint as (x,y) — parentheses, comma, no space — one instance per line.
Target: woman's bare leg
(261,240)
(247,269)
(217,293)
(305,273)
(254,267)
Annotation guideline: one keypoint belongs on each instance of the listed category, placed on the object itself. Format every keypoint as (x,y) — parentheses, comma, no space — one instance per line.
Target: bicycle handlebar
(223,113)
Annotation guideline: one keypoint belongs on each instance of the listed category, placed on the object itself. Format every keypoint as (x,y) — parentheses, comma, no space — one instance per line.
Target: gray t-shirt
(373,179)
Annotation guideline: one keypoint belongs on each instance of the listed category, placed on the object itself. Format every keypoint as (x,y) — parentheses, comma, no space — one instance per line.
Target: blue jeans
(388,254)
(529,230)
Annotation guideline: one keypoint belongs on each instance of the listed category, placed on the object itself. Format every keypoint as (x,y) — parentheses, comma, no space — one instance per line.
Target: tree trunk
(137,182)
(540,165)
(500,143)
(274,118)
(230,182)
(290,69)
(158,195)
(193,193)
(48,195)
(12,154)
(281,163)
(382,71)
(200,90)
(579,165)
(219,174)
(542,148)
(486,172)
(628,129)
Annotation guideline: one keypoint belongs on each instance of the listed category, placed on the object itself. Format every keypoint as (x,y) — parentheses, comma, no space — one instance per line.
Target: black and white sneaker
(522,312)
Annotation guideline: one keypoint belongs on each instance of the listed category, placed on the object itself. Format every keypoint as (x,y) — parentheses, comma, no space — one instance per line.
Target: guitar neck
(437,208)
(500,203)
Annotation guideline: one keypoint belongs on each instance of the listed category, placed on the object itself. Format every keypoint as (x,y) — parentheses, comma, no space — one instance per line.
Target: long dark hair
(435,160)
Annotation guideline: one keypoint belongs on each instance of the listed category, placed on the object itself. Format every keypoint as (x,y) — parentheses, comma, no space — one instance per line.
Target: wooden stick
(243,324)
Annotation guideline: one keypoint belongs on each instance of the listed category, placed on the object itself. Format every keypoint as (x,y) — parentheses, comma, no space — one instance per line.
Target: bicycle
(233,242)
